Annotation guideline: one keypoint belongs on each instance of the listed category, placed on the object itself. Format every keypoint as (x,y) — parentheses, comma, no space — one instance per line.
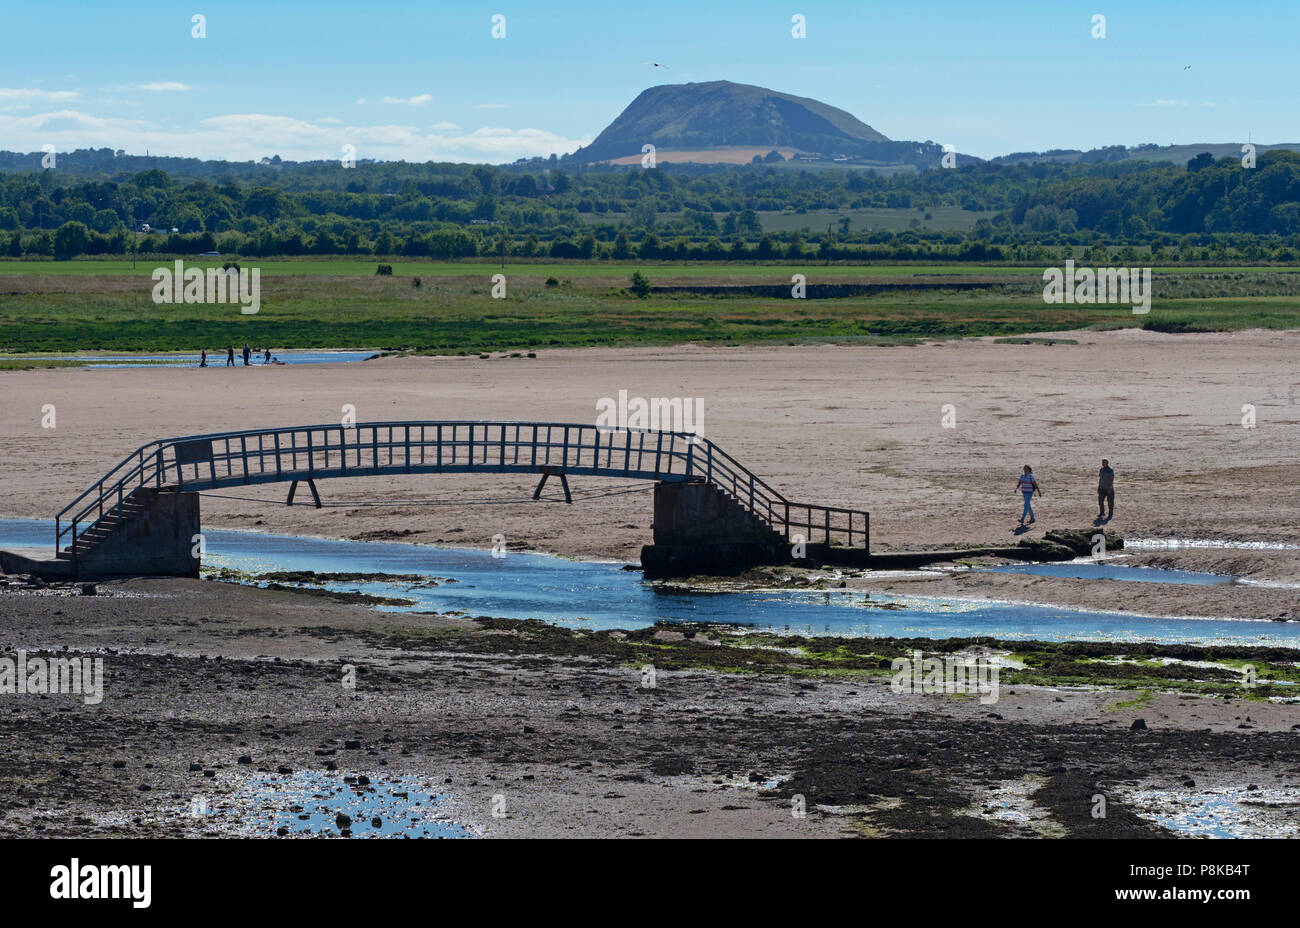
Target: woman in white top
(1027,485)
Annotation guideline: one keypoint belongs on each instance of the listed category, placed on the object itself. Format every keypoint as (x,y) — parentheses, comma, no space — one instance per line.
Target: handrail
(217,459)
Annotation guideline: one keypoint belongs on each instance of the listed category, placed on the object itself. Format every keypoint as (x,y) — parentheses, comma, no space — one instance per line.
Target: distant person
(1027,485)
(1105,491)
(267,357)
(230,356)
(248,352)
(203,358)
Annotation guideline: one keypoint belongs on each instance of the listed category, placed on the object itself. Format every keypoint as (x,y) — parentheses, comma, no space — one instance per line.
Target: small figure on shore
(1026,485)
(247,353)
(230,356)
(266,359)
(1105,491)
(203,358)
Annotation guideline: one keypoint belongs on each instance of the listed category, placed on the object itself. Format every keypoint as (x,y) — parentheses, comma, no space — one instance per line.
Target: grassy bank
(104,306)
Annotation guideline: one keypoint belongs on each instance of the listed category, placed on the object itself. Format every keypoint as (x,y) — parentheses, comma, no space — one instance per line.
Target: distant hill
(1173,154)
(720,121)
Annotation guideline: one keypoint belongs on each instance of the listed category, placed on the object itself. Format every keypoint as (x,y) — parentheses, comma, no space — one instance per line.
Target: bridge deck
(196,463)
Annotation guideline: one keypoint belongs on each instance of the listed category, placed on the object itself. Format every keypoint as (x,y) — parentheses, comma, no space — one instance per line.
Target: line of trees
(457,211)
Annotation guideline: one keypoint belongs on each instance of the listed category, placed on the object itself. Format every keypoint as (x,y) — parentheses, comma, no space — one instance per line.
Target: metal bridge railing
(223,459)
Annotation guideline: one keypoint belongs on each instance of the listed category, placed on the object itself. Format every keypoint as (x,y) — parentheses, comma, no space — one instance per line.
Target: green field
(104,306)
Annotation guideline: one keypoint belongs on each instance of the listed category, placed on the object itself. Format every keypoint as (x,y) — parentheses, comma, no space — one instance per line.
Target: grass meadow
(105,306)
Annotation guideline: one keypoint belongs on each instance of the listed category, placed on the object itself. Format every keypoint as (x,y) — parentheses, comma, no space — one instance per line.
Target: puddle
(310,804)
(605,596)
(1173,544)
(1228,812)
(1094,570)
(1009,801)
(216,358)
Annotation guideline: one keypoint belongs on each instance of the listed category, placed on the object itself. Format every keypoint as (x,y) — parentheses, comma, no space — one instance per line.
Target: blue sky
(427,81)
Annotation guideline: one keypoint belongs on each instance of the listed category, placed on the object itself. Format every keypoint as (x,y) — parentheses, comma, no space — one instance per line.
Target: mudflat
(226,695)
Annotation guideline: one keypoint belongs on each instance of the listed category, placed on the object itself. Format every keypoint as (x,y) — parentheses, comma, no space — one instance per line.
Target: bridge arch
(196,463)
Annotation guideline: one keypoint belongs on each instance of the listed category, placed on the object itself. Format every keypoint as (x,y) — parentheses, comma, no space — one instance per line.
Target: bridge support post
(311,485)
(699,529)
(564,482)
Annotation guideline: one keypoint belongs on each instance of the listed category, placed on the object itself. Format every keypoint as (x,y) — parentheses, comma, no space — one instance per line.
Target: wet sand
(201,674)
(859,427)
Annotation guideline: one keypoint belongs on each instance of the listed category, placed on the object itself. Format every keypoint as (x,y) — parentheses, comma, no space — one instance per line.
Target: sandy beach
(858,427)
(227,693)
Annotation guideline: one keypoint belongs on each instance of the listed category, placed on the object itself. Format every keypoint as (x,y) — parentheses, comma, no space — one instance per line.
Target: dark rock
(1138,725)
(244,759)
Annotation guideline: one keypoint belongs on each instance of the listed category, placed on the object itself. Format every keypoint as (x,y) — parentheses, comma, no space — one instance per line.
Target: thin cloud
(419,100)
(31,94)
(251,136)
(164,86)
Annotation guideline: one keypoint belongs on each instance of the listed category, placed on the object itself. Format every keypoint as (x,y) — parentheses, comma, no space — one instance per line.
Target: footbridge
(712,514)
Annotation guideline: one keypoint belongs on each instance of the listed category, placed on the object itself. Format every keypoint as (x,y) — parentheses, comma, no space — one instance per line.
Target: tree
(640,285)
(70,240)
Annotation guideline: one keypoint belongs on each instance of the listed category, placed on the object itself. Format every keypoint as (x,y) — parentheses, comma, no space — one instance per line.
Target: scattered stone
(1138,725)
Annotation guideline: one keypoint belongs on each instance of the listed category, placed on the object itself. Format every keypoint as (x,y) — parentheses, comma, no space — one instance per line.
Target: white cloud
(22,98)
(251,136)
(162,86)
(419,100)
(1167,103)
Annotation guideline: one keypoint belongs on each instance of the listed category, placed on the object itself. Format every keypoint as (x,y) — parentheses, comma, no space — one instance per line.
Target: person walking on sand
(230,356)
(1027,485)
(1105,491)
(247,353)
(267,357)
(203,358)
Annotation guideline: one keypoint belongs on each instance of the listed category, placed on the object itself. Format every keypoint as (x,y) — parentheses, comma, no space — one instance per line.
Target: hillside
(723,116)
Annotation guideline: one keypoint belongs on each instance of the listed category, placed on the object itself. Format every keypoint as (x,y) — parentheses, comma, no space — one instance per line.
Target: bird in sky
(656,64)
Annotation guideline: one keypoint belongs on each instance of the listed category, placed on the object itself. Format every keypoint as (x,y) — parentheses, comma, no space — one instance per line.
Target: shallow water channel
(606,595)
